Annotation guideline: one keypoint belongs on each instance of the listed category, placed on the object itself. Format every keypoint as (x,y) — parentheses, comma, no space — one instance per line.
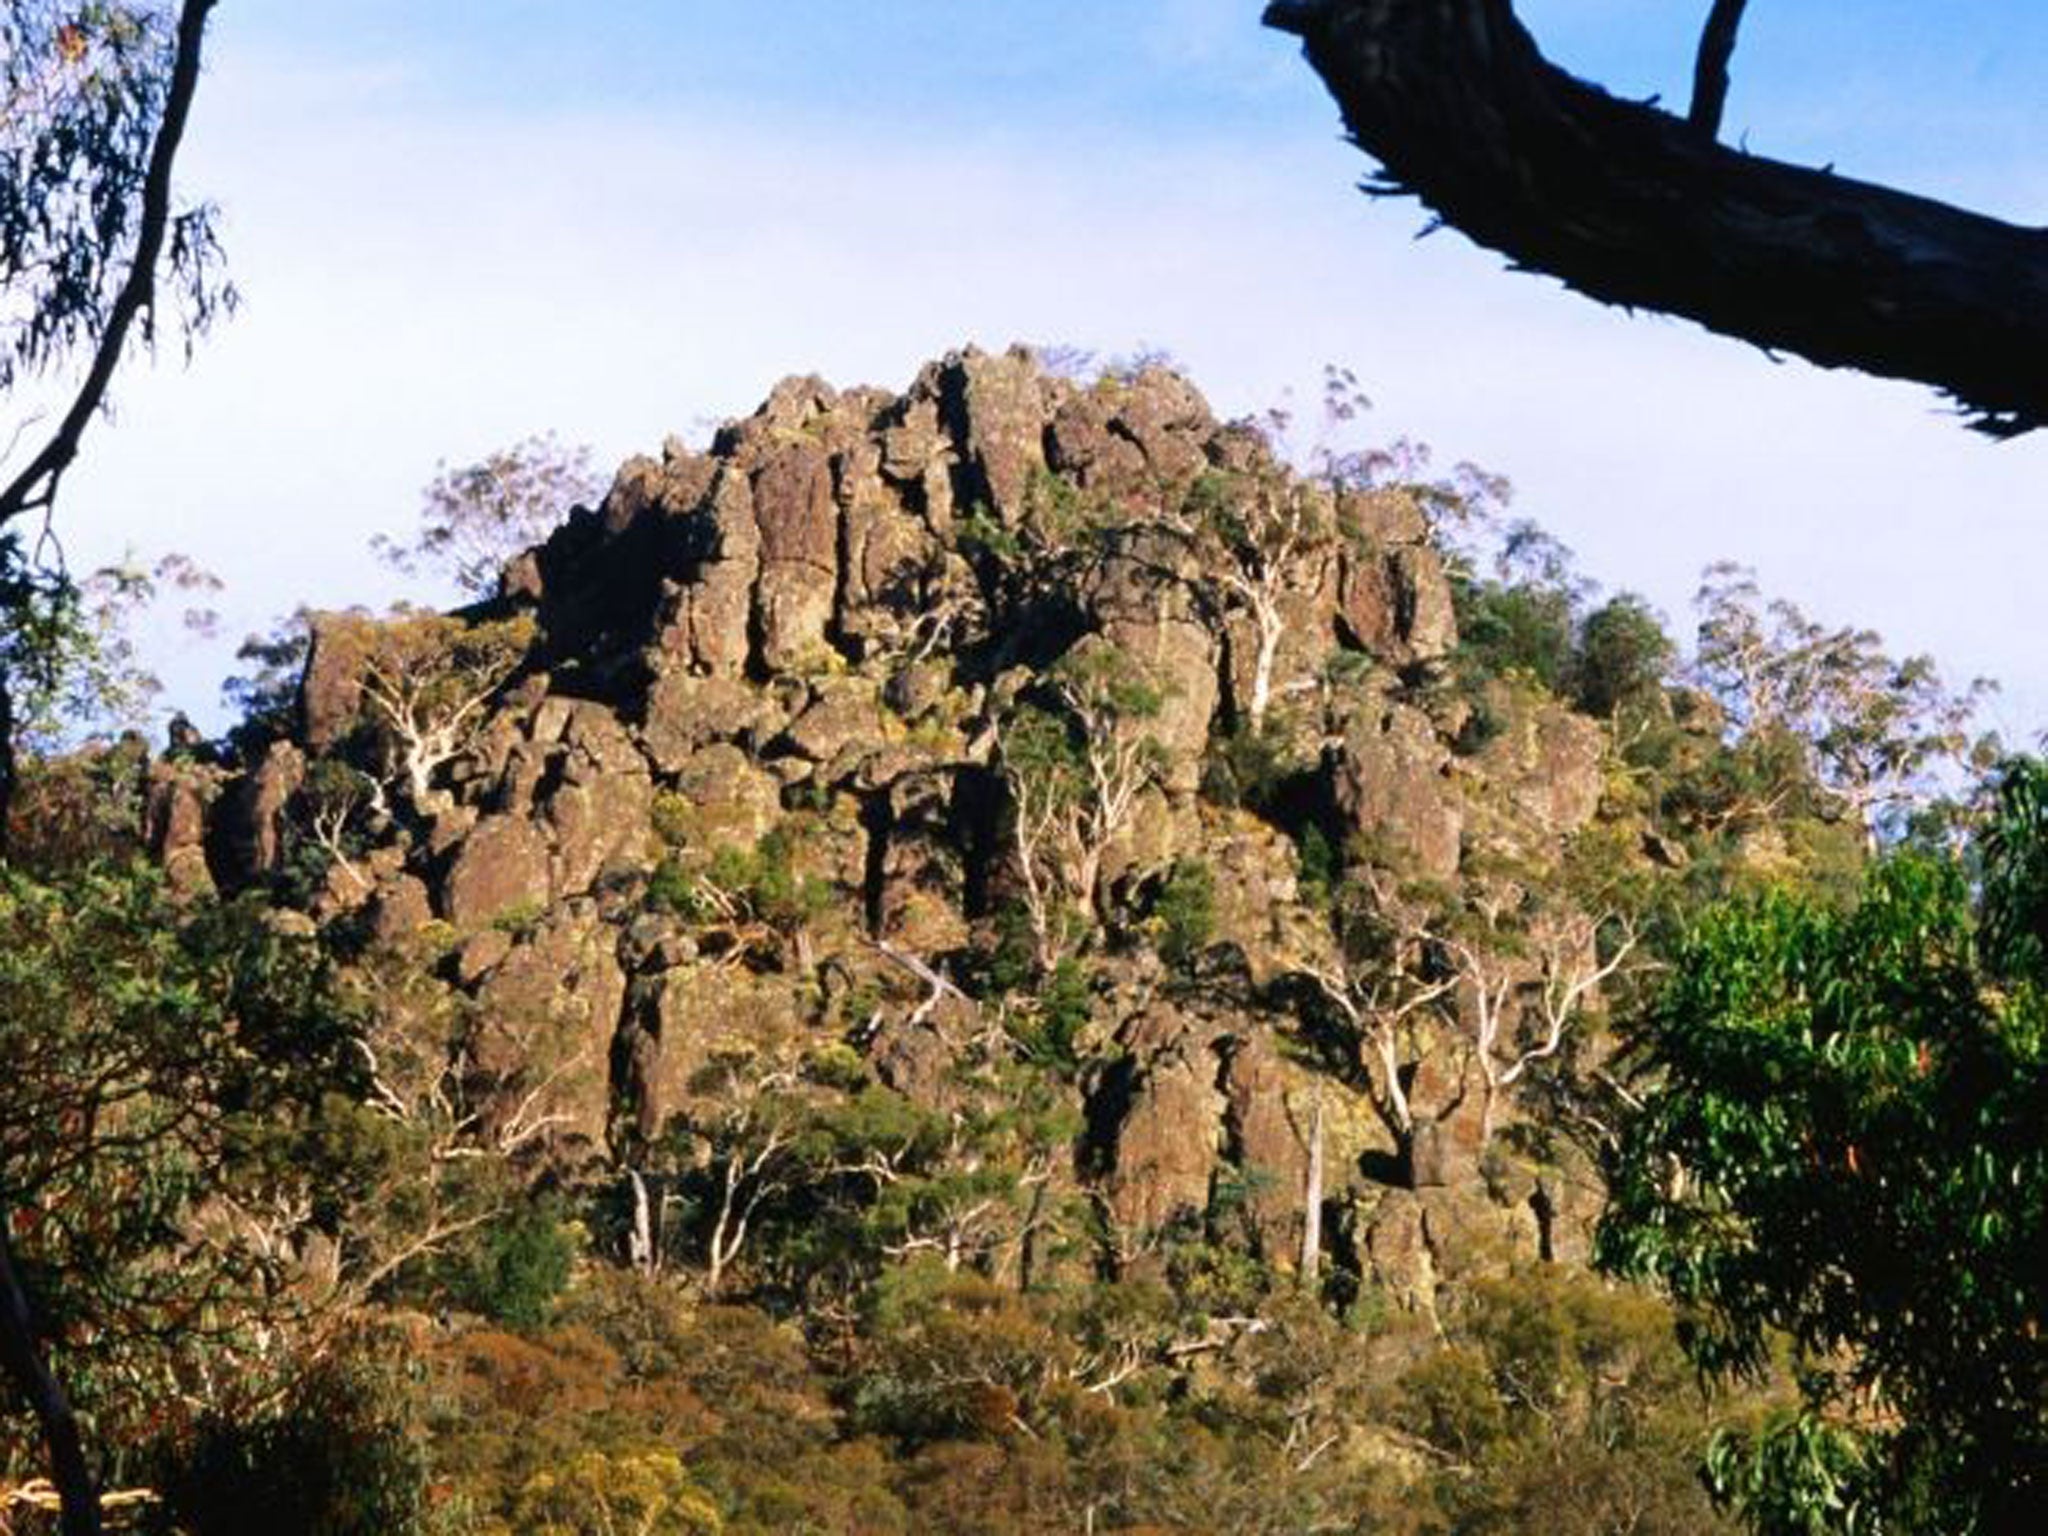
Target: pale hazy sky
(456,224)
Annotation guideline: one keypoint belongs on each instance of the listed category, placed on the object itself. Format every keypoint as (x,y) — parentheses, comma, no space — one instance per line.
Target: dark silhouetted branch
(22,1361)
(1633,206)
(1710,70)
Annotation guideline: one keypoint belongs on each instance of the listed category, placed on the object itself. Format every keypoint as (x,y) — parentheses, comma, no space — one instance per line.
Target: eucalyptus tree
(1838,1146)
(94,244)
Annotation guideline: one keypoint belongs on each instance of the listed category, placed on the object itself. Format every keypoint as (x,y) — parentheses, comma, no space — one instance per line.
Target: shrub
(516,1269)
(1185,912)
(335,1457)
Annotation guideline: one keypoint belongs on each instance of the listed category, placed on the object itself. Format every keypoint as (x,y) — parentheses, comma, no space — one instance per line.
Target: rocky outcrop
(177,796)
(548,1012)
(245,834)
(746,799)
(1264,1144)
(1160,1118)
(1394,600)
(1394,788)
(499,867)
(1545,767)
(1142,600)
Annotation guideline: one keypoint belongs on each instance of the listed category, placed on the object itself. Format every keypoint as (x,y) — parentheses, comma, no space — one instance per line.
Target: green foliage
(1564,1405)
(264,697)
(1524,618)
(1879,734)
(68,650)
(334,1454)
(1504,629)
(1049,1031)
(766,881)
(1624,657)
(1318,867)
(1075,760)
(165,1069)
(2014,857)
(1185,912)
(1845,1146)
(86,87)
(650,1493)
(514,1269)
(1253,767)
(673,889)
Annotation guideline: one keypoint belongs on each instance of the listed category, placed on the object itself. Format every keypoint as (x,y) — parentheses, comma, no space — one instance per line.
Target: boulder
(1166,419)
(707,617)
(843,714)
(1271,1156)
(331,687)
(246,838)
(682,711)
(501,866)
(725,798)
(677,1018)
(1544,767)
(548,1012)
(597,811)
(996,412)
(177,795)
(398,908)
(1081,447)
(1142,599)
(799,555)
(1393,788)
(888,551)
(1159,1120)
(1394,598)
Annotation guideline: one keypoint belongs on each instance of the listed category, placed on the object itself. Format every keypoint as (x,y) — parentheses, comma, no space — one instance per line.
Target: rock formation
(752,789)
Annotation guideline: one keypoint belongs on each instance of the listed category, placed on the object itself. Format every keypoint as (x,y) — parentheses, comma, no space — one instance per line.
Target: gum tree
(1840,1146)
(478,516)
(93,106)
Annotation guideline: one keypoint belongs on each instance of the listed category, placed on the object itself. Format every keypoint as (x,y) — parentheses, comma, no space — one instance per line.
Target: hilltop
(1021,922)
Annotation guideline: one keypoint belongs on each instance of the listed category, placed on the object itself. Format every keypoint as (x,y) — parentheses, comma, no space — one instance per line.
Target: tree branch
(1633,206)
(23,1363)
(1710,70)
(36,485)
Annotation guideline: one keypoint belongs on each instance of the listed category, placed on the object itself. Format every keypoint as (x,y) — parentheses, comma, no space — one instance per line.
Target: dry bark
(1635,206)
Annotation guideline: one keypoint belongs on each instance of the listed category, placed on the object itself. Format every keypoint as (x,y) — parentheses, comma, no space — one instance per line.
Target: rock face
(1162,1116)
(754,795)
(246,834)
(178,794)
(1394,787)
(1393,599)
(499,868)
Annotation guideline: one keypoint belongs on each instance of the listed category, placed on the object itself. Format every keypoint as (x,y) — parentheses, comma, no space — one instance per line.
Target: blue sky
(457,223)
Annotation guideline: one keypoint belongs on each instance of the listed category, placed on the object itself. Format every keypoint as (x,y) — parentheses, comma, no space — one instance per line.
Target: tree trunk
(36,485)
(1271,629)
(7,766)
(23,1362)
(640,1242)
(1312,1200)
(1634,206)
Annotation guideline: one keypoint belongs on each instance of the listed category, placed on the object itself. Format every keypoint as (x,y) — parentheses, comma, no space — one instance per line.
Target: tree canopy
(1843,1149)
(93,105)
